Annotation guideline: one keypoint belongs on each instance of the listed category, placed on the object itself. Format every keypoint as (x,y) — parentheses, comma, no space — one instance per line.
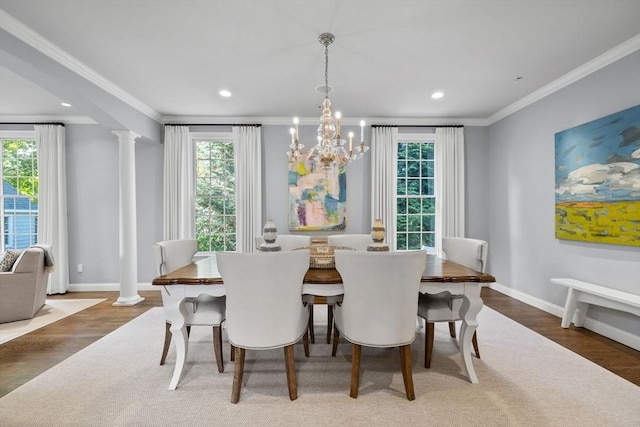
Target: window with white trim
(415,197)
(215,199)
(19,191)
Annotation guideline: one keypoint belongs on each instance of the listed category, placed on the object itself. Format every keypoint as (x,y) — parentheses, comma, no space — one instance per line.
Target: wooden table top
(205,272)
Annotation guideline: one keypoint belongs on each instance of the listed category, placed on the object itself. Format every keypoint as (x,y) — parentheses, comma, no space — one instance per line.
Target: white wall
(525,254)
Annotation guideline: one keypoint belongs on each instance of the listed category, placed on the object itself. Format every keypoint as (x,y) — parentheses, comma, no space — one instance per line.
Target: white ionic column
(128,242)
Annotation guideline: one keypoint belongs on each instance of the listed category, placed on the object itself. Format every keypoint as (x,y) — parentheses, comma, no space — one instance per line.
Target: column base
(128,301)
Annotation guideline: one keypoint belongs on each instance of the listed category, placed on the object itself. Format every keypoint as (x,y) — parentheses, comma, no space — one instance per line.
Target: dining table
(202,277)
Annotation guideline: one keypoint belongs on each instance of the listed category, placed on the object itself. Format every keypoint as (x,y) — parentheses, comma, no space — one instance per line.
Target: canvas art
(598,180)
(317,196)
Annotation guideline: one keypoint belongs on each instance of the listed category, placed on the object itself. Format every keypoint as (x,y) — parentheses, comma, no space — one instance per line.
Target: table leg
(176,313)
(471,306)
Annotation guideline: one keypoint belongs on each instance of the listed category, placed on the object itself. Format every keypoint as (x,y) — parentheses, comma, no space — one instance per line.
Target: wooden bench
(582,294)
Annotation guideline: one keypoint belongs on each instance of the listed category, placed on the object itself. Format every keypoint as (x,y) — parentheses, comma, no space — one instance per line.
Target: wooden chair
(264,307)
(379,306)
(204,310)
(445,307)
(359,242)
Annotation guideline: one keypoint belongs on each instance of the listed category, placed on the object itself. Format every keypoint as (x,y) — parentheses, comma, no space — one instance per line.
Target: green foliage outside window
(415,199)
(215,196)
(20,166)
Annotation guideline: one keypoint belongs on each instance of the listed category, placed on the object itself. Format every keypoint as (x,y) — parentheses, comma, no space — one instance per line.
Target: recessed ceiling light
(225,93)
(437,95)
(65,104)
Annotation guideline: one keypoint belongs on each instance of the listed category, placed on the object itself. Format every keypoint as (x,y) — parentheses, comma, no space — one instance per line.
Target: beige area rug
(52,311)
(525,380)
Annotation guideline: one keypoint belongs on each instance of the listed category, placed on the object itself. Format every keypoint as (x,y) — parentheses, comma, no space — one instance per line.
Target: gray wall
(92,173)
(510,197)
(524,252)
(93,204)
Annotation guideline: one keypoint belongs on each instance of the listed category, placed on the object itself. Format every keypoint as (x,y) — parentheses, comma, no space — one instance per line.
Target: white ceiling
(173,56)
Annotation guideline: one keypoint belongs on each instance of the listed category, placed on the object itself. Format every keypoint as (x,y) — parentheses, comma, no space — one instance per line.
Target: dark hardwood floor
(26,357)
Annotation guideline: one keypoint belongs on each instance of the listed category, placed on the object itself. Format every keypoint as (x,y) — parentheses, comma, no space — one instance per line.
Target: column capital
(125,135)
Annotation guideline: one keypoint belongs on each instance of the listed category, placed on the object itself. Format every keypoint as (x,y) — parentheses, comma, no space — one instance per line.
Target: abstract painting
(598,180)
(317,196)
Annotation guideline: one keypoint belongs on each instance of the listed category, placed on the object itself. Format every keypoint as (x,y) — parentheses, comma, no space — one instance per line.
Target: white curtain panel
(179,184)
(52,202)
(248,170)
(384,153)
(450,189)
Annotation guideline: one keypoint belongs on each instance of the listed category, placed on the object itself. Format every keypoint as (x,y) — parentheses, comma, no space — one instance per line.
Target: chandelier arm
(329,150)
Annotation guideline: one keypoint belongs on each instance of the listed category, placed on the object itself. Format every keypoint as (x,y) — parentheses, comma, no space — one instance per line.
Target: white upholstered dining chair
(359,242)
(204,310)
(379,306)
(445,307)
(264,307)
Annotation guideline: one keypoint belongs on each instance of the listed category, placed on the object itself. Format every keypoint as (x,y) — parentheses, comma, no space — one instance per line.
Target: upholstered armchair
(23,289)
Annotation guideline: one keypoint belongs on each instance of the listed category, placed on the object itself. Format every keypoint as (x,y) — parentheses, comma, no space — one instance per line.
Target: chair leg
(452,329)
(312,335)
(407,376)
(428,344)
(355,370)
(329,322)
(237,374)
(291,372)
(474,340)
(233,353)
(336,338)
(305,343)
(217,347)
(167,342)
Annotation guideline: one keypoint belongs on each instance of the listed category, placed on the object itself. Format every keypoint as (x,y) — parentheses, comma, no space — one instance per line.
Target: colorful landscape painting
(598,180)
(317,196)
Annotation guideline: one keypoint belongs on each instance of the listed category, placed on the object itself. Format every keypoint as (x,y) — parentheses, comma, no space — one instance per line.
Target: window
(415,198)
(215,203)
(19,192)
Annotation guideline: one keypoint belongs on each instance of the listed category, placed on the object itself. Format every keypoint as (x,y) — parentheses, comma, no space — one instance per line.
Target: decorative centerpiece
(377,235)
(323,256)
(269,234)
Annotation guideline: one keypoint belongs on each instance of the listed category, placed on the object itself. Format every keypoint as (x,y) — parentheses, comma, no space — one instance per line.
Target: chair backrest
(287,242)
(359,242)
(471,253)
(380,296)
(264,297)
(170,255)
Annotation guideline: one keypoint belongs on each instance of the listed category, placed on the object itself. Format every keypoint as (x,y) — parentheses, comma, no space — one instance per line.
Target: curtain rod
(417,126)
(32,123)
(213,124)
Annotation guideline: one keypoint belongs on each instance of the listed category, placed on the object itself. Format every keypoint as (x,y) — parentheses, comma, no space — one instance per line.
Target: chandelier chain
(326,71)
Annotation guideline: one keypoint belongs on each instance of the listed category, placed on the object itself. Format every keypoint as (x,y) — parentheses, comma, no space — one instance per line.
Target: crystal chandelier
(330,149)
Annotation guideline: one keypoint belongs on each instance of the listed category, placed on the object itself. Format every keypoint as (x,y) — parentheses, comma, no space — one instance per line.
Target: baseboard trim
(616,334)
(107,287)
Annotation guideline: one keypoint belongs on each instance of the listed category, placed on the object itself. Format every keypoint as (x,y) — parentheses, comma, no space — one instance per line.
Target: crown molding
(607,58)
(75,120)
(27,35)
(286,121)
(35,40)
